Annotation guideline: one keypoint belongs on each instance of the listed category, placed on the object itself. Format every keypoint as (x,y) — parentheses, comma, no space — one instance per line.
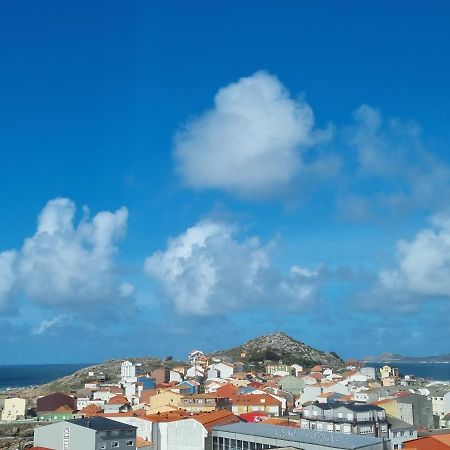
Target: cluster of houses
(217,404)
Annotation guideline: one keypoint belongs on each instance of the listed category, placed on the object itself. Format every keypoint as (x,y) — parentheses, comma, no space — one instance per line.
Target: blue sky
(182,175)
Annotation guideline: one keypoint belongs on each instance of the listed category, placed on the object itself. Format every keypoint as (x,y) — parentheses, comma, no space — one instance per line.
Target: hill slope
(281,347)
(110,368)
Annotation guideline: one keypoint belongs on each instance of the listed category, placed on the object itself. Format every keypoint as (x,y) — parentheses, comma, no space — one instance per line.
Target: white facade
(195,371)
(144,427)
(195,355)
(128,372)
(130,391)
(224,370)
(212,374)
(103,395)
(185,434)
(82,402)
(175,376)
(14,408)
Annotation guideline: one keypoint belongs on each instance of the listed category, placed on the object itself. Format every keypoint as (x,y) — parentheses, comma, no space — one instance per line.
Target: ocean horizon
(25,375)
(436,371)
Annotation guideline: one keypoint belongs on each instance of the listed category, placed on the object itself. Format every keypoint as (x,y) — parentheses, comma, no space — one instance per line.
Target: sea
(14,376)
(432,371)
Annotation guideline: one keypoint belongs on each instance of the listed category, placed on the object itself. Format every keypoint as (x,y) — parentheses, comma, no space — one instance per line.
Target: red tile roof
(226,390)
(254,416)
(118,400)
(91,410)
(213,418)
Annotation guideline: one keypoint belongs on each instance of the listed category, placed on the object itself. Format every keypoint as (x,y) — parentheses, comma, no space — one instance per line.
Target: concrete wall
(65,436)
(179,435)
(69,436)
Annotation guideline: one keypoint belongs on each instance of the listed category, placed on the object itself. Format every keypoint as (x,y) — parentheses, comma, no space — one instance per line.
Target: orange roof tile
(219,417)
(118,400)
(63,408)
(227,390)
(140,442)
(280,422)
(91,410)
(168,417)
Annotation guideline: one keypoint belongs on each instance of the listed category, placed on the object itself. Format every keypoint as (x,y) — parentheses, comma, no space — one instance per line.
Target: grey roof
(398,424)
(438,391)
(324,438)
(351,406)
(100,423)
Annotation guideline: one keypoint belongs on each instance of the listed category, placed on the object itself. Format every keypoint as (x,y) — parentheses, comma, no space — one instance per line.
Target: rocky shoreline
(16,436)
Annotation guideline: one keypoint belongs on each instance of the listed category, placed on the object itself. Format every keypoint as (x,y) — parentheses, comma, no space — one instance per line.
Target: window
(114,444)
(129,431)
(411,433)
(102,446)
(130,443)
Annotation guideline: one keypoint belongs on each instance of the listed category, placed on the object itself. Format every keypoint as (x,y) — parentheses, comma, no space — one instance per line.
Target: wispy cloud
(45,325)
(394,171)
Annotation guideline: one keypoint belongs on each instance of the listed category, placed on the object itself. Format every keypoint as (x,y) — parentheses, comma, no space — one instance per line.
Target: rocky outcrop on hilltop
(278,347)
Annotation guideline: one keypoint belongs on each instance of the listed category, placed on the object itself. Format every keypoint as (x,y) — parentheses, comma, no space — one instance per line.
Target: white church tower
(128,372)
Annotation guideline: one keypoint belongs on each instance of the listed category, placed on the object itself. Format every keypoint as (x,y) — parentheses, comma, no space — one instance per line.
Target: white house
(195,371)
(82,402)
(175,376)
(224,370)
(14,408)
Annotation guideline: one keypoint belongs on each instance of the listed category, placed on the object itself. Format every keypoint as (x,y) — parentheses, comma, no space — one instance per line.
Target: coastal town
(240,402)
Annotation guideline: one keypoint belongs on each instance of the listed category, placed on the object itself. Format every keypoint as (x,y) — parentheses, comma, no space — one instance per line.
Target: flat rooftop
(314,437)
(100,423)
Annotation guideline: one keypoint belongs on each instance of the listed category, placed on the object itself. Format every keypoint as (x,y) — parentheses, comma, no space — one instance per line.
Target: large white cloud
(65,263)
(207,270)
(421,271)
(250,143)
(423,264)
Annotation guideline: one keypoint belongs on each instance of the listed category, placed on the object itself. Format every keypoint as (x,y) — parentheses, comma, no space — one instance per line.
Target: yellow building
(14,408)
(163,401)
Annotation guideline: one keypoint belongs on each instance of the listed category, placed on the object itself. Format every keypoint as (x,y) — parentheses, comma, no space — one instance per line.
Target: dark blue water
(30,375)
(432,371)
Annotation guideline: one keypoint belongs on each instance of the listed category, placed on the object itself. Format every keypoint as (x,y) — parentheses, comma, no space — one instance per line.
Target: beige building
(204,403)
(164,401)
(15,408)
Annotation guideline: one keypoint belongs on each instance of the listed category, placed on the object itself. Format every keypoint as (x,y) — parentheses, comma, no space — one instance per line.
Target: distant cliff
(395,357)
